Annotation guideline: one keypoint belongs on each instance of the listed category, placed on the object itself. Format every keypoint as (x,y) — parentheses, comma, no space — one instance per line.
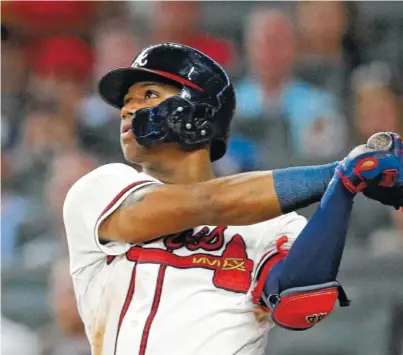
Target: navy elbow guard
(301,308)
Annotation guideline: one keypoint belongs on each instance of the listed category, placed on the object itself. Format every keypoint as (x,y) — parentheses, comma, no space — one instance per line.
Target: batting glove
(378,173)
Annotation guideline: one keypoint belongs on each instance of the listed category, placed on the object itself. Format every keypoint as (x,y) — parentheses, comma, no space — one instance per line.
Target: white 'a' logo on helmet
(141,60)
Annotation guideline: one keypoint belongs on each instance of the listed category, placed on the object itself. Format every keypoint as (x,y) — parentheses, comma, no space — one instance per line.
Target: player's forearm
(160,210)
(254,197)
(241,199)
(166,209)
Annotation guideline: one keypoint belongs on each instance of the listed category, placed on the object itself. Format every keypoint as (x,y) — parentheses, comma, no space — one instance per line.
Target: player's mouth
(126,130)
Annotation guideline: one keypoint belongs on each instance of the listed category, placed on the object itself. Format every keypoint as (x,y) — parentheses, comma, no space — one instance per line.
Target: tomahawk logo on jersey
(192,288)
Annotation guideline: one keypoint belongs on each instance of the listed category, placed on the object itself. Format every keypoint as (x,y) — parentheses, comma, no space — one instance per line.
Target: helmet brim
(114,85)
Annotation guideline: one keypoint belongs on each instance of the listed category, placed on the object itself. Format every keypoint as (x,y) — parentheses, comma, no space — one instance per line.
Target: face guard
(174,120)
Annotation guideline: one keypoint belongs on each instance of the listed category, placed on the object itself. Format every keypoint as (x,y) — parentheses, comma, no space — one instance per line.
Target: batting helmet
(200,113)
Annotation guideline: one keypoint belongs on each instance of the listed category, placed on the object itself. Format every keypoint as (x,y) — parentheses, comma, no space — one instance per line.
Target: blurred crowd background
(313,79)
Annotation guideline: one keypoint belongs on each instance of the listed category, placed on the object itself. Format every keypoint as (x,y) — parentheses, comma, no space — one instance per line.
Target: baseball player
(170,259)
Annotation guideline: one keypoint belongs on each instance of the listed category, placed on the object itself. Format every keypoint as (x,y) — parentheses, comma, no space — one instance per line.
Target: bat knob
(380,141)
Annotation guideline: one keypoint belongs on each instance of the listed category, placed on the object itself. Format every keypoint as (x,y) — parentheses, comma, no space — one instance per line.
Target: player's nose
(126,113)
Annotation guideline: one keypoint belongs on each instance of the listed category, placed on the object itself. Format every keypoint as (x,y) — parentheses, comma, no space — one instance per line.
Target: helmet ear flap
(191,128)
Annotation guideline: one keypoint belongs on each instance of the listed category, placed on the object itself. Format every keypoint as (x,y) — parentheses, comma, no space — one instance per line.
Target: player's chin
(130,150)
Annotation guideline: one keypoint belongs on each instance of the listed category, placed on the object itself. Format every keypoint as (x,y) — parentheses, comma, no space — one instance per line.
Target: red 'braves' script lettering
(203,239)
(232,270)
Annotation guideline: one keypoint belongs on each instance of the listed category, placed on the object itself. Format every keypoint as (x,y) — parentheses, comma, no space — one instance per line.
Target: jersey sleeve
(289,225)
(282,231)
(90,201)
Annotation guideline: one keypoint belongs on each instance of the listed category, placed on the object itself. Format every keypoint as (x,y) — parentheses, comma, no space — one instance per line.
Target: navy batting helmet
(199,114)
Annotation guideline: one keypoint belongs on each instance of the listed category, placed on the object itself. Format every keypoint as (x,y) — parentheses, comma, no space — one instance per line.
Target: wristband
(301,186)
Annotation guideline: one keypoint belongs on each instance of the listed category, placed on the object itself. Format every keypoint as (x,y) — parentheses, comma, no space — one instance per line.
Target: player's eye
(126,100)
(149,94)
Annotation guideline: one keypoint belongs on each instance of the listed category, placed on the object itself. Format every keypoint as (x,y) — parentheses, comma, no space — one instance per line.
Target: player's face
(140,95)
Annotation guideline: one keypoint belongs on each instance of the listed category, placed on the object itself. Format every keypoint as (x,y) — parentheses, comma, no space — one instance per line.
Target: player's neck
(187,168)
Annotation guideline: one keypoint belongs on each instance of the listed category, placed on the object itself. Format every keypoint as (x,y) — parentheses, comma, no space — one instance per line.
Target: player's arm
(299,286)
(156,210)
(236,200)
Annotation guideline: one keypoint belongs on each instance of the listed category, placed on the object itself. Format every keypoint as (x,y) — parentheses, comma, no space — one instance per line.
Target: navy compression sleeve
(315,256)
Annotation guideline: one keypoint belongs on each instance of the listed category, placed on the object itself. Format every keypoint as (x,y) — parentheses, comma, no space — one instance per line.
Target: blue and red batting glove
(378,174)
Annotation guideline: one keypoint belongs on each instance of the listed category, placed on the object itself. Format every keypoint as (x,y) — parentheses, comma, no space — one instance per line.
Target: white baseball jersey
(188,293)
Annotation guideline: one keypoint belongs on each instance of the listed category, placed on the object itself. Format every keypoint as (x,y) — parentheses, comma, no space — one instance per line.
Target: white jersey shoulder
(89,201)
(289,225)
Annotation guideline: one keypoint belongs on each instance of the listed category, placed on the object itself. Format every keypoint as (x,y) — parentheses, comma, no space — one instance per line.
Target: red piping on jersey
(154,309)
(110,258)
(128,300)
(264,270)
(120,194)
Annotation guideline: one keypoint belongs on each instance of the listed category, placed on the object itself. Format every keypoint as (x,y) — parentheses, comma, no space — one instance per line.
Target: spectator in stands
(14,210)
(50,17)
(269,92)
(68,337)
(65,170)
(13,67)
(321,27)
(61,69)
(322,31)
(375,108)
(43,135)
(242,155)
(376,103)
(180,21)
(114,46)
(14,75)
(44,229)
